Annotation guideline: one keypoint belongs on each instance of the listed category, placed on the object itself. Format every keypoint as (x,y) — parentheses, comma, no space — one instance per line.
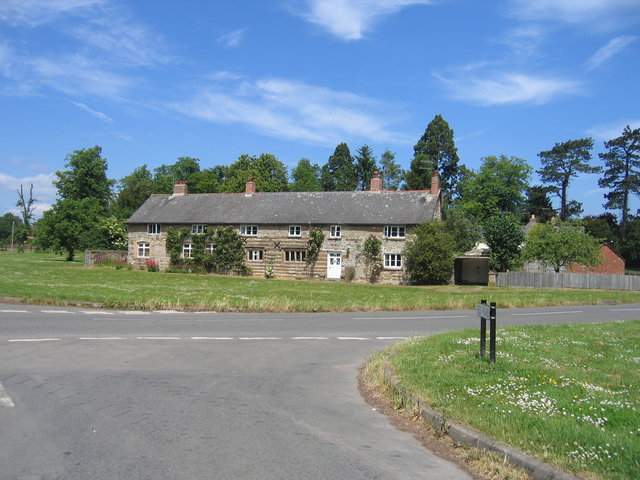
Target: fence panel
(598,281)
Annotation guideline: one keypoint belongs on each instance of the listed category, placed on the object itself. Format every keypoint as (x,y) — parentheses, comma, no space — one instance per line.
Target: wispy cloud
(609,131)
(43,189)
(37,12)
(232,39)
(613,47)
(489,88)
(98,115)
(600,13)
(350,19)
(293,110)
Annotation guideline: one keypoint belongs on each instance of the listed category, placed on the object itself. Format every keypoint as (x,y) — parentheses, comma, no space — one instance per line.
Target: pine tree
(622,172)
(339,173)
(435,150)
(391,172)
(563,162)
(365,164)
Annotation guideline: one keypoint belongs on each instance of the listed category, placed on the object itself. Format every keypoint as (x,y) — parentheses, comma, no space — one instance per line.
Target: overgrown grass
(46,278)
(567,394)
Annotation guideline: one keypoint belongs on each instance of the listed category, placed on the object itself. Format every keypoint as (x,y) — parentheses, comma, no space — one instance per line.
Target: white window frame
(249,230)
(393,261)
(153,228)
(335,231)
(144,250)
(198,229)
(209,248)
(255,255)
(187,250)
(395,231)
(295,230)
(297,256)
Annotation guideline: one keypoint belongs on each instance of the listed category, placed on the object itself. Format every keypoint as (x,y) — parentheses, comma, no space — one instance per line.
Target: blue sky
(153,80)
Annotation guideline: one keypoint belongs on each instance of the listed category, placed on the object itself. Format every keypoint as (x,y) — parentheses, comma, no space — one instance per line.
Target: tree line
(92,208)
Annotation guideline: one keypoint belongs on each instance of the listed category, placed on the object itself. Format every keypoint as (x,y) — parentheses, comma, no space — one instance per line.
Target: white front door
(334,265)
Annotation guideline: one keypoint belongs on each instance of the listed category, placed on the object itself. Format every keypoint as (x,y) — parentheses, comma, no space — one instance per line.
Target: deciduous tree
(561,164)
(26,205)
(504,236)
(429,255)
(268,173)
(132,191)
(306,177)
(559,245)
(622,171)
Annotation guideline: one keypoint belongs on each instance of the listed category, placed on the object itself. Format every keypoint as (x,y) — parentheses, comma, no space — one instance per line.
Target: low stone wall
(93,256)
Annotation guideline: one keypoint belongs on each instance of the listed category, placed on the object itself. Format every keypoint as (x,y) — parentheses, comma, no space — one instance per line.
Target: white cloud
(600,13)
(609,131)
(612,47)
(43,190)
(505,88)
(98,115)
(293,110)
(349,19)
(232,39)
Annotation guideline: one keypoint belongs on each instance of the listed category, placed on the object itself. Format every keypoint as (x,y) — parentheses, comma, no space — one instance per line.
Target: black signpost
(487,312)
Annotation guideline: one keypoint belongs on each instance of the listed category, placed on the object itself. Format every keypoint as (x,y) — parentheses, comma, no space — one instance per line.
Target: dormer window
(295,230)
(153,228)
(394,231)
(249,230)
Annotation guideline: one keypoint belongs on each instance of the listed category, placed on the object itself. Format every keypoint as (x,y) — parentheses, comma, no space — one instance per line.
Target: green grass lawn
(46,278)
(567,394)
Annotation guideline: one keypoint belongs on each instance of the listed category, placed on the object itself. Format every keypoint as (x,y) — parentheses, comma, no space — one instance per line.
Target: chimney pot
(250,187)
(376,183)
(180,188)
(435,184)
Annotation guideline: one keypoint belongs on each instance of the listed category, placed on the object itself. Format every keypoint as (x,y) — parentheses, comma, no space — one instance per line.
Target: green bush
(429,256)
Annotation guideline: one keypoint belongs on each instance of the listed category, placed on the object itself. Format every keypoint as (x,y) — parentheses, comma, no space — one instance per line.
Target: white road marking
(159,338)
(14,311)
(211,338)
(625,310)
(54,311)
(96,312)
(545,313)
(34,340)
(101,338)
(353,338)
(167,311)
(5,399)
(411,318)
(391,338)
(310,338)
(260,338)
(133,312)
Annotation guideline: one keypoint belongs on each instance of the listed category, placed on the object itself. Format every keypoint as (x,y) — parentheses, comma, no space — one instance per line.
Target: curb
(536,469)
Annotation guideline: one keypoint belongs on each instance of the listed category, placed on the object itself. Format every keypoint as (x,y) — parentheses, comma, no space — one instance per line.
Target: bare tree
(26,206)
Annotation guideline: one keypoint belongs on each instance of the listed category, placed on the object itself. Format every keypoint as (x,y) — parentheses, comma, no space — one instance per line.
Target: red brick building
(611,264)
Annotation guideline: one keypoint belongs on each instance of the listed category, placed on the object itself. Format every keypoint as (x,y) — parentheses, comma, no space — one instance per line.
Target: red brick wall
(611,263)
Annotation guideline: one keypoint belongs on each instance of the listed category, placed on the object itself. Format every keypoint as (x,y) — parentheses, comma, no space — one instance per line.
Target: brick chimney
(376,183)
(180,188)
(435,184)
(250,187)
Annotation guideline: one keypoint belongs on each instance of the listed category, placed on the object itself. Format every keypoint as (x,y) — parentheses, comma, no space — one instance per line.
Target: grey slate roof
(305,208)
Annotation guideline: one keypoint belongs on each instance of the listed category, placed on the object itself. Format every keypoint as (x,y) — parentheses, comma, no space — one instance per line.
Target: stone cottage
(275,227)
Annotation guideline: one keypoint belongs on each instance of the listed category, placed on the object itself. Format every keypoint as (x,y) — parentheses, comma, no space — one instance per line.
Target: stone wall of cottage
(274,241)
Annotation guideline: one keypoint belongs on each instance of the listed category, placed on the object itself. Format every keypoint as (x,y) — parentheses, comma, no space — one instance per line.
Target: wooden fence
(568,280)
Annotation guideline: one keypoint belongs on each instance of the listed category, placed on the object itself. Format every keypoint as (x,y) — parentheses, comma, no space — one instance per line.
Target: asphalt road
(93,394)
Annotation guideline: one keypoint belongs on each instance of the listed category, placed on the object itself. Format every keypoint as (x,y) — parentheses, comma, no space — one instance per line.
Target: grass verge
(48,279)
(567,394)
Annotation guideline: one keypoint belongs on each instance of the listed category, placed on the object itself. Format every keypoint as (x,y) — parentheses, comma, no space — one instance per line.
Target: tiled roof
(306,208)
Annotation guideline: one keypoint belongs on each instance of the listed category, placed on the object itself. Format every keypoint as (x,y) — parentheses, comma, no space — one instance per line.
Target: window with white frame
(394,231)
(187,250)
(335,231)
(295,230)
(393,261)
(209,247)
(153,228)
(249,230)
(198,229)
(255,255)
(295,255)
(143,249)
